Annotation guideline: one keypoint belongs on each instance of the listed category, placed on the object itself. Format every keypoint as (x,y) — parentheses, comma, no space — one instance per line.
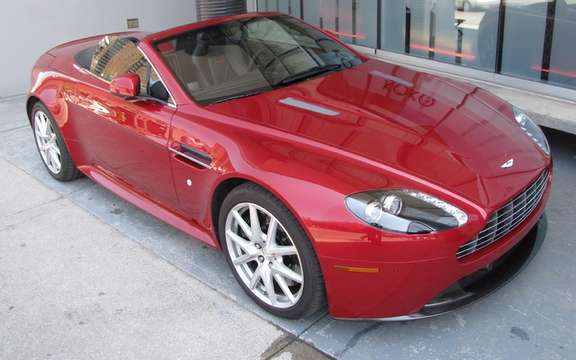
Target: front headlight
(405,211)
(532,130)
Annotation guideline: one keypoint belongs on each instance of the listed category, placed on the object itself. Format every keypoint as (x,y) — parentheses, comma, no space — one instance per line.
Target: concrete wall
(30,27)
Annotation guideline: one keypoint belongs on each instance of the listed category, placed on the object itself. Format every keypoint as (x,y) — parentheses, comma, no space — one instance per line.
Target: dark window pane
(562,70)
(530,39)
(394,20)
(447,31)
(524,27)
(116,56)
(353,21)
(290,7)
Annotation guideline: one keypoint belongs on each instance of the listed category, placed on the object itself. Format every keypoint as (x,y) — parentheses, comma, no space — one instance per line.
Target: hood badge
(508,164)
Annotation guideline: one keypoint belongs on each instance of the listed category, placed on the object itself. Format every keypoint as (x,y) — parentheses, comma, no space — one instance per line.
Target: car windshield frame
(265,65)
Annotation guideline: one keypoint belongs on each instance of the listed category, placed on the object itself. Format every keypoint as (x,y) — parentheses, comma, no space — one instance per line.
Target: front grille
(507,218)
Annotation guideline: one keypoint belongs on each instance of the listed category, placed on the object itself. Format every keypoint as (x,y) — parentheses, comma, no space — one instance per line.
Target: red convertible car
(327,177)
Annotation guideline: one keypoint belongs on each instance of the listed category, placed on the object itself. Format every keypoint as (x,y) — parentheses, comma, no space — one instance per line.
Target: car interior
(240,58)
(209,64)
(220,62)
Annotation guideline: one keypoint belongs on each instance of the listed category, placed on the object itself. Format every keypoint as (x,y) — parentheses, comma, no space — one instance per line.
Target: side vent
(308,106)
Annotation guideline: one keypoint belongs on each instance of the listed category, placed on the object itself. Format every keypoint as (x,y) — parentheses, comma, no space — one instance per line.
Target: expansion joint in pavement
(14,129)
(291,340)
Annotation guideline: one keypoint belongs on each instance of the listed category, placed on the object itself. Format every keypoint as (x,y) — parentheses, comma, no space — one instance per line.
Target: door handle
(188,153)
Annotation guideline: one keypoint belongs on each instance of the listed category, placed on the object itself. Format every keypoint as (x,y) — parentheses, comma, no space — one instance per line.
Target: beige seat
(218,64)
(206,66)
(182,65)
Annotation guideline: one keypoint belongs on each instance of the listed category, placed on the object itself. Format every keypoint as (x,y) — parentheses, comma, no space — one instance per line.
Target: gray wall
(30,27)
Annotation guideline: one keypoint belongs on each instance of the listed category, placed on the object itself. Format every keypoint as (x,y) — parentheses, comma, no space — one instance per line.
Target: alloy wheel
(47,142)
(264,255)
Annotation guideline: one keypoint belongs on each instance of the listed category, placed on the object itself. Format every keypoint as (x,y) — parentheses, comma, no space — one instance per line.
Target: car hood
(448,133)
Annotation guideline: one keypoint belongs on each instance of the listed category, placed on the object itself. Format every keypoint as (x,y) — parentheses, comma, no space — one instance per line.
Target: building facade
(31,27)
(520,49)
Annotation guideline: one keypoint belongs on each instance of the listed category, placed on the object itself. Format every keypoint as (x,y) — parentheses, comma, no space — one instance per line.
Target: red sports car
(326,176)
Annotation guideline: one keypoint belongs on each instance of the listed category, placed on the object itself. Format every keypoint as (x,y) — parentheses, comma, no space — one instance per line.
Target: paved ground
(74,287)
(61,248)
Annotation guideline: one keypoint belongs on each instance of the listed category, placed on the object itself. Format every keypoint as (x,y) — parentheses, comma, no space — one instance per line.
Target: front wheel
(50,145)
(270,254)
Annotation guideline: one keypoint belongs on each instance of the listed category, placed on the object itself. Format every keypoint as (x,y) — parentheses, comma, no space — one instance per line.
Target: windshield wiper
(239,96)
(315,71)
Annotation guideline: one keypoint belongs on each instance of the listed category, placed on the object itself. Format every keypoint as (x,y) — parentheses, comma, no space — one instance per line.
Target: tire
(63,168)
(307,296)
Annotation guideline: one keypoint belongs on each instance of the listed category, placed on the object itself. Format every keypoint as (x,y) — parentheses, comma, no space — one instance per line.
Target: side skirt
(148,205)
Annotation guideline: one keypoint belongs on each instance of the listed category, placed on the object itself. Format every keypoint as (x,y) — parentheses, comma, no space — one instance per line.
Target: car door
(126,138)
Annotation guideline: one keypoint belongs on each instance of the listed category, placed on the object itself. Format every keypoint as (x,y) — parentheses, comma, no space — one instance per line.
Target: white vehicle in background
(473,5)
(480,5)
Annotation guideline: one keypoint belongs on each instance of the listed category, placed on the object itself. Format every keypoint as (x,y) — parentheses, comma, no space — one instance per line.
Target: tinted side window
(116,56)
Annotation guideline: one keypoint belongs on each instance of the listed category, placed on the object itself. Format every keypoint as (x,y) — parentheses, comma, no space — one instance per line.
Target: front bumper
(403,289)
(486,280)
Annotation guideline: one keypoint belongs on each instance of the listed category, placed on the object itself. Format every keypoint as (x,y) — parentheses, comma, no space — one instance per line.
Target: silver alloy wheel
(264,255)
(47,142)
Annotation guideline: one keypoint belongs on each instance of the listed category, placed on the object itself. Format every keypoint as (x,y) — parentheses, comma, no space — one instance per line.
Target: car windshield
(248,56)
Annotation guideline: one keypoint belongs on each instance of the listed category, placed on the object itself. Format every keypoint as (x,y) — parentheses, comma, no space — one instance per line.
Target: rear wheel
(270,254)
(50,145)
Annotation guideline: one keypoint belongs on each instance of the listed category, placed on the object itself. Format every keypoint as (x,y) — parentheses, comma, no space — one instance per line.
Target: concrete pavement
(532,317)
(74,287)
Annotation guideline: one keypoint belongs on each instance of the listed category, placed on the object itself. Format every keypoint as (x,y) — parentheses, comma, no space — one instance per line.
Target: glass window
(524,26)
(290,7)
(353,21)
(447,31)
(561,69)
(538,40)
(115,56)
(530,39)
(243,57)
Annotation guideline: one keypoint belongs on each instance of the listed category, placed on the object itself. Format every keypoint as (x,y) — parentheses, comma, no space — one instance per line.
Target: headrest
(166,47)
(202,43)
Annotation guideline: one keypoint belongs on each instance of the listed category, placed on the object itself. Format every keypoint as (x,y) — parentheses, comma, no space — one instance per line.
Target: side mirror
(127,85)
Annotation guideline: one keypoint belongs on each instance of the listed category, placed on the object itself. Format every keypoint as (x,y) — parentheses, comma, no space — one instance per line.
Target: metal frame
(548,39)
(172,101)
(500,36)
